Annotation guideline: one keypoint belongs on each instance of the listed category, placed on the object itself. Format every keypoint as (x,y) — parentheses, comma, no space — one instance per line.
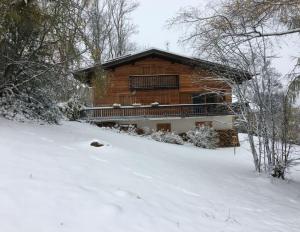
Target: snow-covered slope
(52,180)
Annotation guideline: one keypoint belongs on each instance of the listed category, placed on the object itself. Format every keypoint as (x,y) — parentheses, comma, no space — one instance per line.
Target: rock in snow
(96,144)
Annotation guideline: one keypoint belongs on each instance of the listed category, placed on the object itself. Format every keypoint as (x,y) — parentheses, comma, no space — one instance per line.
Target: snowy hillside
(52,180)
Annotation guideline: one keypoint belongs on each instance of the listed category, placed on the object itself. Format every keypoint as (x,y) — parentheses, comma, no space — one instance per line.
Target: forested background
(43,41)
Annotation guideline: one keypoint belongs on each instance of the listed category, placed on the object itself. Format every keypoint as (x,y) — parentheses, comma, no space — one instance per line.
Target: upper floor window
(144,82)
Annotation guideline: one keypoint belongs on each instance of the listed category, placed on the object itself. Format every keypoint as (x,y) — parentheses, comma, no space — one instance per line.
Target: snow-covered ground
(51,179)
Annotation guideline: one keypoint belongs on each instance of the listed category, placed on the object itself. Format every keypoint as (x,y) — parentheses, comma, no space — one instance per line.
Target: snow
(51,179)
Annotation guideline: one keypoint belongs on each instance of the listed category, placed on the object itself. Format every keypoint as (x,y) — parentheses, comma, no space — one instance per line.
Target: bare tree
(123,28)
(239,34)
(259,19)
(109,29)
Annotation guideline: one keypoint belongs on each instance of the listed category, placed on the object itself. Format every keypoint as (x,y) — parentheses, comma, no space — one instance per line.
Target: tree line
(43,41)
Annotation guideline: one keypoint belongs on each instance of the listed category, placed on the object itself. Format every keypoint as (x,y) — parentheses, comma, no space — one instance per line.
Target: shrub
(139,131)
(71,109)
(147,130)
(22,107)
(167,137)
(184,136)
(205,137)
(172,138)
(157,136)
(131,130)
(125,128)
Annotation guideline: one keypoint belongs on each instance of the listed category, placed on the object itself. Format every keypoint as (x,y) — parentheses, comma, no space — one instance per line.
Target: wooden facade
(186,83)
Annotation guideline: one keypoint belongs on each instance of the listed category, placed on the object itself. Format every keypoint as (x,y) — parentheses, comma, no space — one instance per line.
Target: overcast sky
(151,18)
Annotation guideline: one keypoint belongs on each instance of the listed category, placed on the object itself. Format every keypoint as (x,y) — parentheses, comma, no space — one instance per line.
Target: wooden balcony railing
(160,111)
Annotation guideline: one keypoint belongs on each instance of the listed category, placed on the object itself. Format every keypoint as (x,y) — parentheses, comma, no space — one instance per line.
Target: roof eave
(239,75)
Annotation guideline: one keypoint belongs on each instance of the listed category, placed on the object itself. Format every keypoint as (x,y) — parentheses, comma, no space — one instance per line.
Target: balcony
(102,114)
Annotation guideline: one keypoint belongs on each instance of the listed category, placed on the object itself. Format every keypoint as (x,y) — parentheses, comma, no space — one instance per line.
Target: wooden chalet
(161,90)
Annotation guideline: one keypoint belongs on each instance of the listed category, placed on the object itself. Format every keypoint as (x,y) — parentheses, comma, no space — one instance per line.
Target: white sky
(151,18)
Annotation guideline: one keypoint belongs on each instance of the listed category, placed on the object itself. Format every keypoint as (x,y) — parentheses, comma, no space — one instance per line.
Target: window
(211,98)
(163,127)
(215,98)
(204,123)
(202,98)
(144,82)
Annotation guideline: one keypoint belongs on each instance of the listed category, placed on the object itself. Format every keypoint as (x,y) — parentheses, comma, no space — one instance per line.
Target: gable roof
(219,69)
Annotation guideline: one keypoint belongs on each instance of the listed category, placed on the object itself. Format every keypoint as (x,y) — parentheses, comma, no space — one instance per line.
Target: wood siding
(191,81)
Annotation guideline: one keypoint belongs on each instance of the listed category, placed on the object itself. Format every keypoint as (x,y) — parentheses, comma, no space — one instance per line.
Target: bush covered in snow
(144,131)
(157,136)
(131,130)
(147,130)
(124,129)
(139,131)
(172,138)
(205,137)
(21,107)
(167,137)
(71,109)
